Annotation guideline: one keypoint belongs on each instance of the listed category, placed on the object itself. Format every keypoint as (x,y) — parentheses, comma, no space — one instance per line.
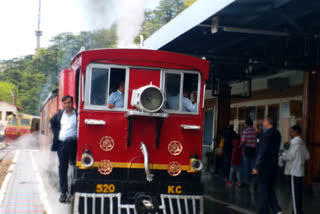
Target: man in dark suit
(64,129)
(266,166)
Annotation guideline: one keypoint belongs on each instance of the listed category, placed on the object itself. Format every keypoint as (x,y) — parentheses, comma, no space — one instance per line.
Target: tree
(6,90)
(35,76)
(161,15)
(189,2)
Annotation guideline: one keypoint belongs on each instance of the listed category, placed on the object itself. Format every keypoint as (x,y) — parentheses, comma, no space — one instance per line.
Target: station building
(6,109)
(264,58)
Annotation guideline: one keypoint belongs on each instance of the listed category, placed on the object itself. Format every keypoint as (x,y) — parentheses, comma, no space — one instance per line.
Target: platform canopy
(246,37)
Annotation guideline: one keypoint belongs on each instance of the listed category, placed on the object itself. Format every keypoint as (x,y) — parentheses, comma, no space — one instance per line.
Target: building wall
(288,111)
(5,108)
(286,102)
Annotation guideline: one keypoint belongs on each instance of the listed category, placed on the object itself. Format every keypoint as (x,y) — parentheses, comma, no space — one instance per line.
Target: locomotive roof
(143,57)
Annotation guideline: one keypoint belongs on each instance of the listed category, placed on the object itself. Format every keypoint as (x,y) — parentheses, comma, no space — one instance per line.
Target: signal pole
(38,32)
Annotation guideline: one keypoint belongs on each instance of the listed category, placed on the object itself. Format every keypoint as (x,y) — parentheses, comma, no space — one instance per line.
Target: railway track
(4,151)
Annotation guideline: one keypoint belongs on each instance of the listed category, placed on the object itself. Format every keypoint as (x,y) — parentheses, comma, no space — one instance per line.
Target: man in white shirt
(64,128)
(295,159)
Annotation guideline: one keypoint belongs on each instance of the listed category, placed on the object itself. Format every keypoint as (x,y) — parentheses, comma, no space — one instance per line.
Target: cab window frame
(87,88)
(10,121)
(181,73)
(23,120)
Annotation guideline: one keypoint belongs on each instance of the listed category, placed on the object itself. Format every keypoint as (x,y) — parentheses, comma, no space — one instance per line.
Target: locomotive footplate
(93,203)
(166,194)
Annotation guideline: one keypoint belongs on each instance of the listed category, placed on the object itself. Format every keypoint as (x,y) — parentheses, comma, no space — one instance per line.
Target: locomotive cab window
(99,86)
(182,92)
(105,87)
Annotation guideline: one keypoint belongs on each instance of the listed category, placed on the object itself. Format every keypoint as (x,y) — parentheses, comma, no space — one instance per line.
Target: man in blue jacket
(64,129)
(266,166)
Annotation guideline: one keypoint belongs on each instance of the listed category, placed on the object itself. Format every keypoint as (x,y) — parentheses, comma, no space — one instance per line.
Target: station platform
(21,193)
(246,200)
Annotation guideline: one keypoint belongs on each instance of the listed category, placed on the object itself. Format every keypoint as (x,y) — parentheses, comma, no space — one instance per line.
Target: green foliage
(189,2)
(35,76)
(161,15)
(6,90)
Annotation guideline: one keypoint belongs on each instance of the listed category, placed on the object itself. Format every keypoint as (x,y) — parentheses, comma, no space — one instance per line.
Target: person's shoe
(229,184)
(69,199)
(63,198)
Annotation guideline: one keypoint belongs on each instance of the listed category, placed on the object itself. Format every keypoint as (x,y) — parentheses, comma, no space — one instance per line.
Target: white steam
(130,21)
(100,14)
(128,15)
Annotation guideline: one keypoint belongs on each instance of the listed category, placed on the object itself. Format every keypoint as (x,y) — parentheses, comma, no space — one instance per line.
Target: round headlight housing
(197,165)
(87,159)
(148,98)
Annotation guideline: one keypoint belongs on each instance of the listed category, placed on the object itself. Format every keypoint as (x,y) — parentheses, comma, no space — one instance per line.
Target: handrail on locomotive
(144,151)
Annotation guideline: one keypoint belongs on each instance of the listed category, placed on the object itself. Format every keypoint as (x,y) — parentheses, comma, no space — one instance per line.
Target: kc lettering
(174,189)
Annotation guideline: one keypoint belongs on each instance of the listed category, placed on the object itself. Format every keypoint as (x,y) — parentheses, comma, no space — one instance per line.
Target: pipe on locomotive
(144,151)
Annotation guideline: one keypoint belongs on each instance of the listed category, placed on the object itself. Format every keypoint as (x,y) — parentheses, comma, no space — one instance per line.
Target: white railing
(170,204)
(180,204)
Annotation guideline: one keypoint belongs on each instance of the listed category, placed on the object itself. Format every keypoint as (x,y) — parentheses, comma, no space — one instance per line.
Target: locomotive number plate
(105,188)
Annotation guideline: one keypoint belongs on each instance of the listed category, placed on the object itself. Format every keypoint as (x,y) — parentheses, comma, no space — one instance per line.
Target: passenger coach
(142,154)
(21,124)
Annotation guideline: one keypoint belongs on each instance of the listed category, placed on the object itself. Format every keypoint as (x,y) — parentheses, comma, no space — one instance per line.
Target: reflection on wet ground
(245,200)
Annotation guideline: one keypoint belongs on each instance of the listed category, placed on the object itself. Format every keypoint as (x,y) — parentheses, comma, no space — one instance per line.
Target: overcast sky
(18,22)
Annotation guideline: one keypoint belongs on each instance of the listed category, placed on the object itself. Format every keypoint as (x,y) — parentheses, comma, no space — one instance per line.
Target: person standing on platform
(64,129)
(228,135)
(235,162)
(295,159)
(267,165)
(249,142)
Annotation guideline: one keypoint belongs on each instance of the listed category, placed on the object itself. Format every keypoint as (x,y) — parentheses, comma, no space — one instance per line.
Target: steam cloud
(129,23)
(127,14)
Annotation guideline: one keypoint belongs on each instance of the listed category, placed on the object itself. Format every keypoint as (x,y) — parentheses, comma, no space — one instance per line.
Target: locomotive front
(139,131)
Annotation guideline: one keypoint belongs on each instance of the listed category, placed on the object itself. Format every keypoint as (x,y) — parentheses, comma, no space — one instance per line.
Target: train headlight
(148,98)
(196,164)
(87,159)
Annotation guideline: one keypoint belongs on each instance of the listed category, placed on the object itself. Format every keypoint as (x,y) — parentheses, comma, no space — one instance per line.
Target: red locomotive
(139,148)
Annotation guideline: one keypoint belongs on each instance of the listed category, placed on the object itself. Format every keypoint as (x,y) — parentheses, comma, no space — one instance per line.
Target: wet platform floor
(220,199)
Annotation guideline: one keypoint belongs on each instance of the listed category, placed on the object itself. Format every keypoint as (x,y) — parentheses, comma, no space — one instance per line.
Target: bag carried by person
(219,151)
